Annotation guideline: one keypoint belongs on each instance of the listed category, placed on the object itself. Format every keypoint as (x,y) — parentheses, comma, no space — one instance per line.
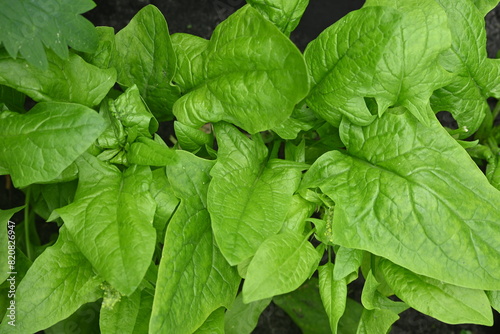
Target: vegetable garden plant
(288,174)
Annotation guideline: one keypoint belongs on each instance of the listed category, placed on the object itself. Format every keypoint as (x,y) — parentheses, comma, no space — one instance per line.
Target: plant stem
(27,221)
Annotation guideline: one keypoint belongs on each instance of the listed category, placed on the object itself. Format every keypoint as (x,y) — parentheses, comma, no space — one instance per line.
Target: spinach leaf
(285,14)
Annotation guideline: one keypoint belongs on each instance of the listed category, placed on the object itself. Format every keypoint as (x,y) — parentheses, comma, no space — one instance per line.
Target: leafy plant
(289,173)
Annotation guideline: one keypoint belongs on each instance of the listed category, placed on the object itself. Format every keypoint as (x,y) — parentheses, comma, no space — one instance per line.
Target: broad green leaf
(145,57)
(45,198)
(72,80)
(242,318)
(485,6)
(84,320)
(191,139)
(409,73)
(38,146)
(7,243)
(253,76)
(376,321)
(477,77)
(214,323)
(121,318)
(445,302)
(281,264)
(248,197)
(347,261)
(373,299)
(193,274)
(56,285)
(112,209)
(397,170)
(378,57)
(29,26)
(142,322)
(333,295)
(494,297)
(189,50)
(106,49)
(285,14)
(304,306)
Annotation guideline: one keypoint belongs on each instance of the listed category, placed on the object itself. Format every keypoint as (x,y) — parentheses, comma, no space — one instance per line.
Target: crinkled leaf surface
(56,285)
(445,302)
(408,74)
(41,144)
(477,77)
(285,14)
(485,6)
(248,197)
(242,318)
(333,294)
(145,57)
(281,264)
(111,221)
(253,76)
(412,194)
(71,80)
(388,54)
(28,26)
(193,275)
(189,50)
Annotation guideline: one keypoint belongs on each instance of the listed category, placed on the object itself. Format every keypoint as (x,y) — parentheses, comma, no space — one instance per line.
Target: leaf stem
(29,250)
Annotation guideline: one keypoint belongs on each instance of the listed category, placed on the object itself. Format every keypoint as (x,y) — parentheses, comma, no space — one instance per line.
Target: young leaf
(445,302)
(72,80)
(148,152)
(333,295)
(347,261)
(253,77)
(39,145)
(281,264)
(298,211)
(373,299)
(113,208)
(145,57)
(242,318)
(421,196)
(28,26)
(476,76)
(285,14)
(248,198)
(191,139)
(193,274)
(56,285)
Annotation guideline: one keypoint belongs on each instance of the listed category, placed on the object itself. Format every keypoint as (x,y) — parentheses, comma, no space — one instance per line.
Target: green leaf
(333,295)
(142,322)
(189,50)
(304,306)
(145,57)
(28,26)
(373,299)
(191,139)
(347,261)
(56,285)
(378,54)
(298,211)
(494,297)
(476,76)
(445,302)
(150,152)
(39,145)
(349,322)
(242,318)
(253,76)
(281,264)
(166,202)
(285,14)
(214,323)
(7,243)
(122,316)
(421,176)
(45,198)
(106,49)
(72,80)
(485,6)
(111,209)
(248,197)
(193,274)
(84,320)
(376,321)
